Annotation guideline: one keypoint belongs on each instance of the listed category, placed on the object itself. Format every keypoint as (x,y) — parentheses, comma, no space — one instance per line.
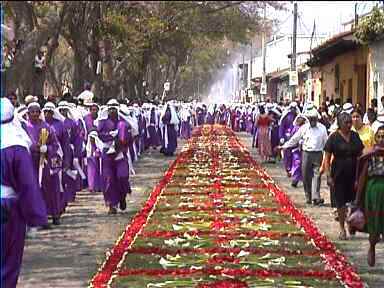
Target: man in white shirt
(313,136)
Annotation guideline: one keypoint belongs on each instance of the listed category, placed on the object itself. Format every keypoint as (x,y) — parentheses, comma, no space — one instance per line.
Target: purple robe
(249,123)
(186,129)
(115,172)
(200,116)
(95,180)
(63,138)
(89,123)
(274,134)
(296,160)
(142,132)
(168,128)
(210,118)
(285,129)
(71,186)
(28,208)
(153,139)
(223,117)
(50,185)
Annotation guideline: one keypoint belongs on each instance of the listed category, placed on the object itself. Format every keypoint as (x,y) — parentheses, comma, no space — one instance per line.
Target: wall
(351,67)
(376,71)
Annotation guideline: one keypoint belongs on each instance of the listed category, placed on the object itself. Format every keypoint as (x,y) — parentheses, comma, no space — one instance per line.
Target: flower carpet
(217,219)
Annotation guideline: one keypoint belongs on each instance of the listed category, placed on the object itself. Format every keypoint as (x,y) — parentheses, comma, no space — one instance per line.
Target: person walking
(22,203)
(263,123)
(369,194)
(313,136)
(345,146)
(365,131)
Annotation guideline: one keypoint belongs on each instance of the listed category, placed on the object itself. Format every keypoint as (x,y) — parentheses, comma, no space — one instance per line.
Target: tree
(178,41)
(370,28)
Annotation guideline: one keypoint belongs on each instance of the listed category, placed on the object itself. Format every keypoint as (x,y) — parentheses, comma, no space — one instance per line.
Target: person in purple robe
(142,130)
(200,116)
(296,152)
(56,121)
(170,123)
(274,114)
(46,159)
(74,173)
(154,139)
(94,148)
(93,152)
(285,130)
(22,203)
(185,126)
(90,120)
(211,115)
(114,132)
(243,120)
(249,121)
(223,115)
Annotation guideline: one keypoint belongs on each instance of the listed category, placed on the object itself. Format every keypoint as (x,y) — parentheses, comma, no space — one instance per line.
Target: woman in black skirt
(345,146)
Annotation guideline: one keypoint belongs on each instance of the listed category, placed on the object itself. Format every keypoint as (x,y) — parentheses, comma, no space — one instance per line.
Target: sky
(328,15)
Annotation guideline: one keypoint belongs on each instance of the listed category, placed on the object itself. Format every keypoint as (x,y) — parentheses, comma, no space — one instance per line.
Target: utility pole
(250,68)
(356,16)
(264,42)
(293,59)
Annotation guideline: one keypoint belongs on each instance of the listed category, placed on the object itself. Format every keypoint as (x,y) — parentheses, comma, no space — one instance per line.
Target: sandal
(343,235)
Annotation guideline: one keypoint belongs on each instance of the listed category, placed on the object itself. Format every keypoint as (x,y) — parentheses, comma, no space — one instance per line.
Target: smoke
(224,86)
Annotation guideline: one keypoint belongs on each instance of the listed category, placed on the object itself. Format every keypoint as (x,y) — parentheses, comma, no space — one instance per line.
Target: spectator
(345,146)
(370,196)
(314,136)
(365,132)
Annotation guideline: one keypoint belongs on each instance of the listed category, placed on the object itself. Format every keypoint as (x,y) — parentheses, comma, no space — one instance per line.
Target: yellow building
(341,65)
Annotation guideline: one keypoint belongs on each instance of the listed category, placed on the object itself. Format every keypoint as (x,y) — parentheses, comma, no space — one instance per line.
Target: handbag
(356,219)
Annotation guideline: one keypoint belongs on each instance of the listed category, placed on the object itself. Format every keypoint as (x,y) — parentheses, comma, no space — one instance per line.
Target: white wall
(277,54)
(377,64)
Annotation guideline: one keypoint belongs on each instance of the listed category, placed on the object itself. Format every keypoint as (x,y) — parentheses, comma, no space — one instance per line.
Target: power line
(302,22)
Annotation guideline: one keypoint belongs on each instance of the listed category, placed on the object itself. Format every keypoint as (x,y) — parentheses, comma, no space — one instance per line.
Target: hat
(348,108)
(49,106)
(113,103)
(33,105)
(29,99)
(311,113)
(63,105)
(7,110)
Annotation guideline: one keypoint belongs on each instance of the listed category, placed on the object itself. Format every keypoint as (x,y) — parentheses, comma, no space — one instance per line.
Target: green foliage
(178,40)
(371,27)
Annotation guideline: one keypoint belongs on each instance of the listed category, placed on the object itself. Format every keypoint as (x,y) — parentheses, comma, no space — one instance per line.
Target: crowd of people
(51,151)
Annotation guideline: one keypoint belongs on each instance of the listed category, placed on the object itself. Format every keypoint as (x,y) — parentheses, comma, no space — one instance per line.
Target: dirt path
(69,255)
(355,249)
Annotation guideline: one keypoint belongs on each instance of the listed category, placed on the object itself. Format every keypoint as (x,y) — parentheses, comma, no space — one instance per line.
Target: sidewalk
(70,254)
(355,249)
